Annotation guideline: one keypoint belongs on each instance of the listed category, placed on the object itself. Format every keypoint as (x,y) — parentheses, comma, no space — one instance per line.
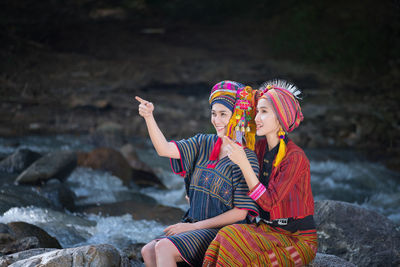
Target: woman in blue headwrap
(215,185)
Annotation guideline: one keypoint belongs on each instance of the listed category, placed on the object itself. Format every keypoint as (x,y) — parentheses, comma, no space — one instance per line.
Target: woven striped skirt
(193,245)
(261,245)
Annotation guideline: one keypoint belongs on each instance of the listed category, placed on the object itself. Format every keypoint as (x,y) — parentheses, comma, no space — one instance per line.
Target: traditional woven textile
(193,244)
(211,191)
(288,193)
(225,93)
(240,100)
(252,245)
(283,98)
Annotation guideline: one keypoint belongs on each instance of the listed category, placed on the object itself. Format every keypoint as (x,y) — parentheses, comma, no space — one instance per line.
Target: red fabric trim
(211,166)
(257,214)
(216,149)
(183,172)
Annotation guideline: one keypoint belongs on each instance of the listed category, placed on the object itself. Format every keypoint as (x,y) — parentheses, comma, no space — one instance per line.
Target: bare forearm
(162,146)
(229,217)
(248,173)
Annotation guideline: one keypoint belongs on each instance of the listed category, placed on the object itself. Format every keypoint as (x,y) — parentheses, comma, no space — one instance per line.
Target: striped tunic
(285,193)
(288,193)
(211,191)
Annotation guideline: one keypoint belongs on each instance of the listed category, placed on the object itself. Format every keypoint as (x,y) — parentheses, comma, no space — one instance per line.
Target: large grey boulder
(142,175)
(10,259)
(113,161)
(58,193)
(19,161)
(20,236)
(57,164)
(107,159)
(95,255)
(138,210)
(108,134)
(21,196)
(361,236)
(326,260)
(22,244)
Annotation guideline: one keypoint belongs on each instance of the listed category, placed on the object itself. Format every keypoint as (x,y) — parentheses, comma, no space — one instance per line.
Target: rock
(142,174)
(146,179)
(23,229)
(89,104)
(95,255)
(129,152)
(19,160)
(108,134)
(361,236)
(6,235)
(53,165)
(22,244)
(11,258)
(326,260)
(20,236)
(139,211)
(107,159)
(58,194)
(6,238)
(21,196)
(133,251)
(7,178)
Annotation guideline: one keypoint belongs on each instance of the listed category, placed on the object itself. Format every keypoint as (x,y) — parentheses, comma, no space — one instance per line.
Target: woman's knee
(148,250)
(163,245)
(166,249)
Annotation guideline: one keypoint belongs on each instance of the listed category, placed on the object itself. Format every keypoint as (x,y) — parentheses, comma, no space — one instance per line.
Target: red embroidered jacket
(289,190)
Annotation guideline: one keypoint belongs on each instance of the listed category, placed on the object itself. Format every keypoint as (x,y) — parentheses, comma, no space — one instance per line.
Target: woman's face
(220,116)
(266,121)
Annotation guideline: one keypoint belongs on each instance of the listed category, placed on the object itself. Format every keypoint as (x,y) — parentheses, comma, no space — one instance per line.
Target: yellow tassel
(235,123)
(282,149)
(250,140)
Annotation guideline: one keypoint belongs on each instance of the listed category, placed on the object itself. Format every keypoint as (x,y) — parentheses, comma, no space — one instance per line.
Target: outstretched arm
(162,146)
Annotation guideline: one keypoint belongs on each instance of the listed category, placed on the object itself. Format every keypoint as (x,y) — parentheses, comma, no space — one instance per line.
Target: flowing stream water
(335,174)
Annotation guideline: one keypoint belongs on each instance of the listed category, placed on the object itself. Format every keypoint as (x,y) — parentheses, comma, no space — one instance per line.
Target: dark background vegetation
(347,49)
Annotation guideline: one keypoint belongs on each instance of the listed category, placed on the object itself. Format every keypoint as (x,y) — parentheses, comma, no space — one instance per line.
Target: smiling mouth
(220,128)
(258,126)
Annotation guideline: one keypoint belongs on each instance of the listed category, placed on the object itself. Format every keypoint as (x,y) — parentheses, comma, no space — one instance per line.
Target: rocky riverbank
(86,79)
(348,234)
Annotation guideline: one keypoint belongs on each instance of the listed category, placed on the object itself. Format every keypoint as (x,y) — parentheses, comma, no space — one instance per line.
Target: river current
(335,174)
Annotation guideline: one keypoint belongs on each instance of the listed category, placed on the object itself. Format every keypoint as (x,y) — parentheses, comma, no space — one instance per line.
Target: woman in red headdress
(284,234)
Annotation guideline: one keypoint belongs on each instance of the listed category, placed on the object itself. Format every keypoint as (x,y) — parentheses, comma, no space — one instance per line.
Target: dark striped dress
(213,187)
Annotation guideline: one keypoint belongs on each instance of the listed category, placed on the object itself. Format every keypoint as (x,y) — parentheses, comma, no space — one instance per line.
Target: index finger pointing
(142,101)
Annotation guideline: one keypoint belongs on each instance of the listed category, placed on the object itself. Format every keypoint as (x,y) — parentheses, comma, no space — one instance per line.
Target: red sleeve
(282,181)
